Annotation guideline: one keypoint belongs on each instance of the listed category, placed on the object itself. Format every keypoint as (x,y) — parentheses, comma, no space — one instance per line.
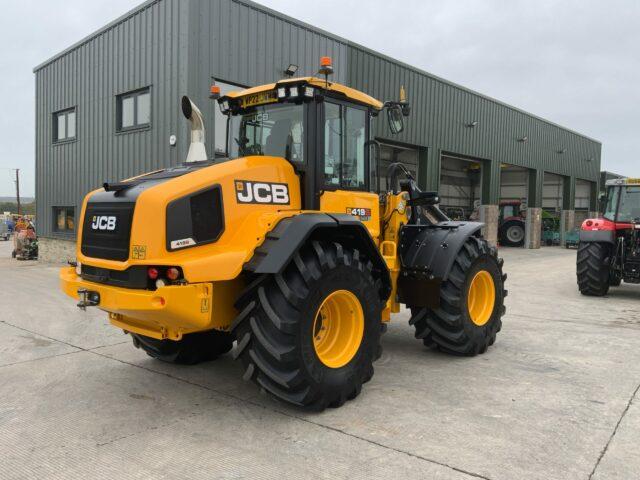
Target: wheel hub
(338,328)
(515,234)
(481,298)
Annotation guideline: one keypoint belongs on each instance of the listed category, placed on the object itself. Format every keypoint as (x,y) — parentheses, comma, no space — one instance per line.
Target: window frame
(64,231)
(54,130)
(367,135)
(216,106)
(134,94)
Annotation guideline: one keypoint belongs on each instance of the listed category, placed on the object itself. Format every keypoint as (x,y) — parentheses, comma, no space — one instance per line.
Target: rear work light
(173,273)
(224,107)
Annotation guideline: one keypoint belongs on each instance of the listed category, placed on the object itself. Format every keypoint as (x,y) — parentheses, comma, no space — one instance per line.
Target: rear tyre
(471,303)
(191,349)
(512,234)
(615,281)
(309,335)
(592,268)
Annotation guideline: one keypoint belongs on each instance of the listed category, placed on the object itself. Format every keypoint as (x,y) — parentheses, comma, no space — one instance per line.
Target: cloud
(572,62)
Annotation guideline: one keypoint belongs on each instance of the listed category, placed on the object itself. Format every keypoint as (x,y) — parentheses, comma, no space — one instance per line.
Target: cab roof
(341,90)
(623,181)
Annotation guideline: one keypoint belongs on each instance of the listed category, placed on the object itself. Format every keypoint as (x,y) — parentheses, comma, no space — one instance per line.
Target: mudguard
(605,236)
(291,233)
(427,253)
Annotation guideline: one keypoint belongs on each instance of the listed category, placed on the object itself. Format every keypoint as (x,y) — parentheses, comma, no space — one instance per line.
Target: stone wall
(567,222)
(56,250)
(533,228)
(489,215)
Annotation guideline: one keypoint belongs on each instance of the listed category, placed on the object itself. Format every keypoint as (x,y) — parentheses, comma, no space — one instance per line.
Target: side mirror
(395,118)
(602,202)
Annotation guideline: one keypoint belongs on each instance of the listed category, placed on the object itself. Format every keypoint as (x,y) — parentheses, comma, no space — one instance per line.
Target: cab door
(344,177)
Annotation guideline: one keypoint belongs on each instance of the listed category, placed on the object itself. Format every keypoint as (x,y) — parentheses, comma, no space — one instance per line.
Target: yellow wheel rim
(338,328)
(481,298)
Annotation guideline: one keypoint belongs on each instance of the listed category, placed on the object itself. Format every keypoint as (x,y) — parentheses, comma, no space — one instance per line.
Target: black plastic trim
(179,221)
(432,249)
(606,236)
(288,236)
(132,277)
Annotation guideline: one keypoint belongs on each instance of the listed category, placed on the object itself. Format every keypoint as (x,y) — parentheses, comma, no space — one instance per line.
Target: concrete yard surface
(555,398)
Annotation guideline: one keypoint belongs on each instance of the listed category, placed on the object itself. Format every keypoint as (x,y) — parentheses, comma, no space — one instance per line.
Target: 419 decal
(363,213)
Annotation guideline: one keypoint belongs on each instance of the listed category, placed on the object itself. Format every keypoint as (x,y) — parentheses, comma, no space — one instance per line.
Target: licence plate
(259,99)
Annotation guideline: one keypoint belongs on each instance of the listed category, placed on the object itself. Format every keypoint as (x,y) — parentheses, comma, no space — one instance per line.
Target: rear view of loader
(287,248)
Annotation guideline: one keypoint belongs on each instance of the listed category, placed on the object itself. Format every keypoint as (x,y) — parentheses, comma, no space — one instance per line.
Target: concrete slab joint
(489,215)
(533,228)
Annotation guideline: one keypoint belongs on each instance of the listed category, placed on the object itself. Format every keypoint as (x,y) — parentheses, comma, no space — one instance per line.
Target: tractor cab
(622,204)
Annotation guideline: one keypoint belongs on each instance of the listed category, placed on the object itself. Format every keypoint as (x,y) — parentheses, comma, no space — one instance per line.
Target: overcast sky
(573,62)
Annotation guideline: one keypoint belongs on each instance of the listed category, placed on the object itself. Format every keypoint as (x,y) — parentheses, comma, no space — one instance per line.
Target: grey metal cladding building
(107,107)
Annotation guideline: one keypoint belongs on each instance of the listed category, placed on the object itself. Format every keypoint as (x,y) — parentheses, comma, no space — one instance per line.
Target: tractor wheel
(593,269)
(191,349)
(512,234)
(615,280)
(471,303)
(309,335)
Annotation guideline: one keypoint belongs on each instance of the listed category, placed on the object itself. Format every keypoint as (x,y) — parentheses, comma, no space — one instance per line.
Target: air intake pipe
(197,149)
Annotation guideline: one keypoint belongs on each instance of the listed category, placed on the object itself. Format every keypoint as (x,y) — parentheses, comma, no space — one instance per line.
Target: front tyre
(471,303)
(309,336)
(592,268)
(191,349)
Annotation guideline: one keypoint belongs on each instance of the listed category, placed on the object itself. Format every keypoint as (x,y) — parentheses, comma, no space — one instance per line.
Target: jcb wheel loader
(286,247)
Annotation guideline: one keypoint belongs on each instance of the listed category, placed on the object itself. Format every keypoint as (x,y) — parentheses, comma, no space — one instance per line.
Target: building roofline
(122,18)
(294,21)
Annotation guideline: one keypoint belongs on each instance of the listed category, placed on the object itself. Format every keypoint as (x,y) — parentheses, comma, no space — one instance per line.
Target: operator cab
(323,128)
(622,200)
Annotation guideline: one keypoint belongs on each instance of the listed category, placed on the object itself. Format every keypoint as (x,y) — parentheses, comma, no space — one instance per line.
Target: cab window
(275,130)
(344,146)
(508,211)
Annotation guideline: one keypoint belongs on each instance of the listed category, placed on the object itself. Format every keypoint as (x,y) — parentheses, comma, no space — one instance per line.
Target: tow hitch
(87,298)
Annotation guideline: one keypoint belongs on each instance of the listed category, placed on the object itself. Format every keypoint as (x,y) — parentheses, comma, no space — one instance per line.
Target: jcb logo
(262,192)
(103,222)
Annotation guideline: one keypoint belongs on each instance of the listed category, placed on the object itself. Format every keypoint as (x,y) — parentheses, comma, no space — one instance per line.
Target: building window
(64,125)
(220,120)
(133,110)
(64,219)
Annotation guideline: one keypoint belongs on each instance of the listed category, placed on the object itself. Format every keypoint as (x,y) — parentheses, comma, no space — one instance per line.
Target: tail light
(153,273)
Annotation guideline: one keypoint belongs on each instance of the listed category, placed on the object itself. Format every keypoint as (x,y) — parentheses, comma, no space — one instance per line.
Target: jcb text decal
(103,222)
(262,192)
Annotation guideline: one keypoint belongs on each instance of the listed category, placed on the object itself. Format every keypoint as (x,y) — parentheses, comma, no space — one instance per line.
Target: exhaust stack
(197,149)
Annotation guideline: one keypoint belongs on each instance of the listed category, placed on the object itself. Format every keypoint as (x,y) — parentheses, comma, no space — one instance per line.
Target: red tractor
(511,224)
(609,248)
